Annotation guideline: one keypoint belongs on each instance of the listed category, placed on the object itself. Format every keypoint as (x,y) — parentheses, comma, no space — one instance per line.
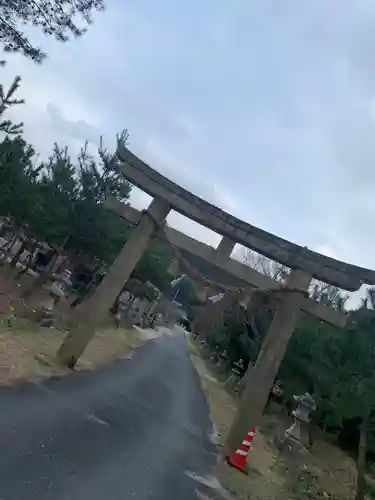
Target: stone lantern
(58,289)
(292,439)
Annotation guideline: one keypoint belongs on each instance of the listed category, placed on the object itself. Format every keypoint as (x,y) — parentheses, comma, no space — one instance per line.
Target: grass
(28,352)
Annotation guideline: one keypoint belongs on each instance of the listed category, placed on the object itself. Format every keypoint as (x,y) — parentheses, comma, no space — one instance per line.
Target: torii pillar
(260,378)
(93,310)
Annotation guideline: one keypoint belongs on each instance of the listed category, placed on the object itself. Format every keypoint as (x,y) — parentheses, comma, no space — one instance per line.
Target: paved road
(131,430)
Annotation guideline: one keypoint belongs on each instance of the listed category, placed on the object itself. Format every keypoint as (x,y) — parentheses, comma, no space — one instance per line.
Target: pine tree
(8,99)
(61,19)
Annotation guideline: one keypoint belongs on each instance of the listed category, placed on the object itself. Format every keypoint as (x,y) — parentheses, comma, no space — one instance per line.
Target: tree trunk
(312,425)
(324,428)
(311,432)
(361,458)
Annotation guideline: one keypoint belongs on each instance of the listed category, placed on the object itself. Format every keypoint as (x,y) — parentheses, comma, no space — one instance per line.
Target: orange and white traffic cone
(238,458)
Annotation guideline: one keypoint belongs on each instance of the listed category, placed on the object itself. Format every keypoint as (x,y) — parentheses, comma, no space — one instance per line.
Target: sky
(264,108)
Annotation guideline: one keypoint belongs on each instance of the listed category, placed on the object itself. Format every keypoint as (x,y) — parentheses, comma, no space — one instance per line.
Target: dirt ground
(29,354)
(12,285)
(27,351)
(271,475)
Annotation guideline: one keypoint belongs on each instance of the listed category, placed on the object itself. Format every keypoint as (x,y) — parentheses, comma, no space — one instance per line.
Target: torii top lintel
(326,269)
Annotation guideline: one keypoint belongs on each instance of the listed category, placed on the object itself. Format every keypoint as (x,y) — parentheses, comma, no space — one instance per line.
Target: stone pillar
(92,312)
(225,247)
(260,378)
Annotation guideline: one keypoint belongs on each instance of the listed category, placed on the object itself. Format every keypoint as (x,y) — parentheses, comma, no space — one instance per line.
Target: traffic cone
(238,458)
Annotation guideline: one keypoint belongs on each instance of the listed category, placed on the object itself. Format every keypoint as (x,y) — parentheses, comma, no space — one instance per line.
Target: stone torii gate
(304,264)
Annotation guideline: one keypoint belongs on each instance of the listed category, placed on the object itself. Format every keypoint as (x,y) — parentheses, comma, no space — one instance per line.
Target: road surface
(134,430)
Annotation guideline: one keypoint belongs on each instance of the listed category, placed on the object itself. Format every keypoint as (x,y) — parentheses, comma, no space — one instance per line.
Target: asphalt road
(136,429)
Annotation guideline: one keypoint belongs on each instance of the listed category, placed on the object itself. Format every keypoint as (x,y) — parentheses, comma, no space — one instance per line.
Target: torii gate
(305,265)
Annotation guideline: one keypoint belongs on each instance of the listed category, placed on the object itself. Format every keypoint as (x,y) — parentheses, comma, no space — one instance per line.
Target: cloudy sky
(265,108)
